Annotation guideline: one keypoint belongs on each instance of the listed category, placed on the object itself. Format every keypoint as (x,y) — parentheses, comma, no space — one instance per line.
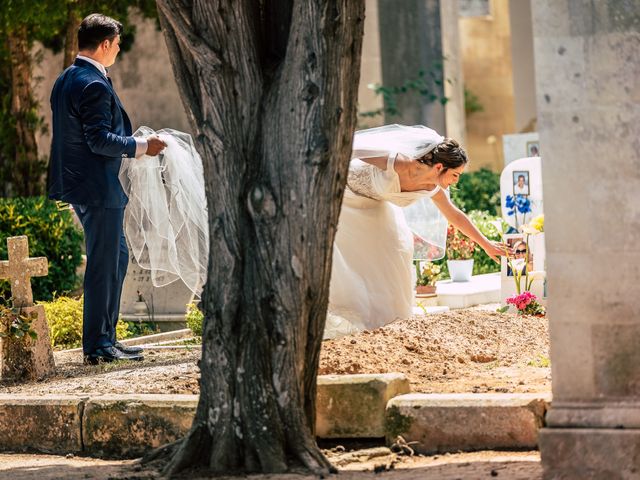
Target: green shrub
(194,319)
(51,234)
(478,190)
(141,329)
(64,315)
(482,263)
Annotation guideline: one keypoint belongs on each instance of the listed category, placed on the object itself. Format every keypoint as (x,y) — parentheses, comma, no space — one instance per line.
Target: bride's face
(450,177)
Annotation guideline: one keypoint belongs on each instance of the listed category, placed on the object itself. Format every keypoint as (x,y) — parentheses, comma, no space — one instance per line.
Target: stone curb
(353,406)
(129,425)
(453,422)
(47,423)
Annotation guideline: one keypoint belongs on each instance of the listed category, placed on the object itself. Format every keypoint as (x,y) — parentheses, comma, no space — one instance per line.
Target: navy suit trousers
(107,261)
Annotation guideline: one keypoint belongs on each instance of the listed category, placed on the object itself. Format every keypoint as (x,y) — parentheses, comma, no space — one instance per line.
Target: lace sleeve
(368,180)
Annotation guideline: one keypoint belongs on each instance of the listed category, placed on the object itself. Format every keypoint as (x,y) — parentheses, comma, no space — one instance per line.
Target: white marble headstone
(522,177)
(165,304)
(520,145)
(521,182)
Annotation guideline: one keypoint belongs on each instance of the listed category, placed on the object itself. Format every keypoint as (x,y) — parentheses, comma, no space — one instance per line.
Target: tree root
(312,458)
(190,452)
(161,453)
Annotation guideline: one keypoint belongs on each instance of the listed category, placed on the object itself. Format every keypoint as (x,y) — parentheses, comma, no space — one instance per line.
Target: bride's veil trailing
(423,217)
(165,221)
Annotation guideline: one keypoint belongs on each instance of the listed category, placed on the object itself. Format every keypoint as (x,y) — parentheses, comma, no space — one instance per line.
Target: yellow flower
(538,223)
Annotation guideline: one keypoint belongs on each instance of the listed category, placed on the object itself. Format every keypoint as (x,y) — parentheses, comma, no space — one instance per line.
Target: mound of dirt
(458,351)
(461,351)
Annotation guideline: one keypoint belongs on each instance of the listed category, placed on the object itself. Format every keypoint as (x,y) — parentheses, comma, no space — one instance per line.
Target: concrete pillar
(524,82)
(587,63)
(416,35)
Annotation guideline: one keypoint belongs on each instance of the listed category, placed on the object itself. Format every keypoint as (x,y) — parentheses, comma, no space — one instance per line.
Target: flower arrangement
(429,274)
(527,304)
(518,204)
(525,301)
(459,246)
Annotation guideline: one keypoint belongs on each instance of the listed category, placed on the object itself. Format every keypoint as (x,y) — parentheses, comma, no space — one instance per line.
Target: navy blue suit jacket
(91,135)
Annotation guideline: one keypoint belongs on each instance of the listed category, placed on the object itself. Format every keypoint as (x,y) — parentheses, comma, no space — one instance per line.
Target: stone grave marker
(520,145)
(166,306)
(25,357)
(521,201)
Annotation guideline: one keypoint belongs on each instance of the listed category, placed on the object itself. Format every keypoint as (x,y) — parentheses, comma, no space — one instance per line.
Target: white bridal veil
(166,219)
(423,217)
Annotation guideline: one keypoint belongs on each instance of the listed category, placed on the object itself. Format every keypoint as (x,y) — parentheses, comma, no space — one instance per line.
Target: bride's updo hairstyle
(449,153)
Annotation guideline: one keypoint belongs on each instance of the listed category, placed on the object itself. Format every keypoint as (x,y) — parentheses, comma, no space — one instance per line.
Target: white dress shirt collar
(98,65)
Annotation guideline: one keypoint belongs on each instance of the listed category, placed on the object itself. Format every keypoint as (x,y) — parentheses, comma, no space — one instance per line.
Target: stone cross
(20,268)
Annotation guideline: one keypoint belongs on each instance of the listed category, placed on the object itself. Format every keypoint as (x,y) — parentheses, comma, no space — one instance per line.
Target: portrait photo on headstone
(519,260)
(533,149)
(521,182)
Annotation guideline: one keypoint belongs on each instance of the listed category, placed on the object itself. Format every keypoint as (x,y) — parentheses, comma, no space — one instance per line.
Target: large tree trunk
(71,33)
(270,88)
(28,170)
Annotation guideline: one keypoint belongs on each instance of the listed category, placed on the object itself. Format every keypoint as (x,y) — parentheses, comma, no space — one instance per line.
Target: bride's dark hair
(449,153)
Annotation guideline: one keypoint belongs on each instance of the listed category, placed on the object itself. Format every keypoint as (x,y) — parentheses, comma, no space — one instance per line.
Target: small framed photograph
(521,182)
(533,149)
(519,246)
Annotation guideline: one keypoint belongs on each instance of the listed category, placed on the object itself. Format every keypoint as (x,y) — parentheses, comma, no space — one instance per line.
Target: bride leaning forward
(391,167)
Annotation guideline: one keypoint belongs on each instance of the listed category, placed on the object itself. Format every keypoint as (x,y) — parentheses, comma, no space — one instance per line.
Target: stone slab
(353,406)
(480,290)
(151,339)
(417,310)
(129,425)
(50,423)
(590,453)
(453,422)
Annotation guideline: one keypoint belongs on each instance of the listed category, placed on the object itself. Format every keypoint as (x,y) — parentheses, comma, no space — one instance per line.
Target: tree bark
(71,33)
(270,89)
(28,170)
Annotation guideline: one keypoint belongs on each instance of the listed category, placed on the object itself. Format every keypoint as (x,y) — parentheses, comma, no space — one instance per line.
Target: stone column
(587,62)
(524,82)
(416,35)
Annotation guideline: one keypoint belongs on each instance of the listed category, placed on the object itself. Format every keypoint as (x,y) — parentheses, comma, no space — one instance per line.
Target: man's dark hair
(95,29)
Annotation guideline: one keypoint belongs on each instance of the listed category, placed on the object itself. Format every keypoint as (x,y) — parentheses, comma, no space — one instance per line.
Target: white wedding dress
(372,275)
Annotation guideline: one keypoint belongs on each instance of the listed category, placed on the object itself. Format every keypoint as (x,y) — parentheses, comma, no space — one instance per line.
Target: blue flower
(509,201)
(519,203)
(523,204)
(511,205)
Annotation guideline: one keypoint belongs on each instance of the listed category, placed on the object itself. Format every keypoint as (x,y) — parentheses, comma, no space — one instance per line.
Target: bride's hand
(496,249)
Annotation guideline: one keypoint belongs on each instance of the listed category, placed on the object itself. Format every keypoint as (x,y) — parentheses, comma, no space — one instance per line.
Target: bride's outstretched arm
(459,220)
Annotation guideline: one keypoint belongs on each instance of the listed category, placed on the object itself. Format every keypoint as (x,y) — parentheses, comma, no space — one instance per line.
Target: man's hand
(154,146)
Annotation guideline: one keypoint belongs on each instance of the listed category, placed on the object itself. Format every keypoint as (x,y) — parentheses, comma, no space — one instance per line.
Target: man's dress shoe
(109,354)
(128,350)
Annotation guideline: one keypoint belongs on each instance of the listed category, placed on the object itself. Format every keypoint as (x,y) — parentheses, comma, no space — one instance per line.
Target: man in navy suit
(91,136)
